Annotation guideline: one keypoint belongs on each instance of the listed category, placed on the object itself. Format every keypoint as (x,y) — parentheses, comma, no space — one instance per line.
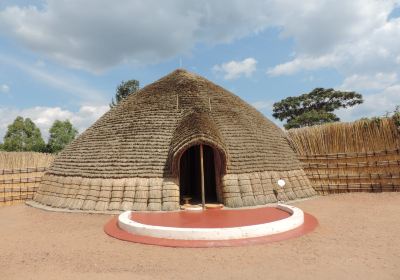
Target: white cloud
(235,69)
(4,88)
(101,34)
(378,81)
(350,36)
(69,84)
(263,105)
(374,105)
(303,63)
(44,117)
(318,26)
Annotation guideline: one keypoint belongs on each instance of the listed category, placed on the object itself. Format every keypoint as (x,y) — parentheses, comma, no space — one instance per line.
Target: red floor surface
(211,218)
(112,229)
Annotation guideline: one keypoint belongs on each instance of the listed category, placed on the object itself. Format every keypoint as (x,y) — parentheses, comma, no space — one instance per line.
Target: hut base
(140,194)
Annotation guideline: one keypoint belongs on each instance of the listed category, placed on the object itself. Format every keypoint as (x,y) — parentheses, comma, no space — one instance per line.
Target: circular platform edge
(112,229)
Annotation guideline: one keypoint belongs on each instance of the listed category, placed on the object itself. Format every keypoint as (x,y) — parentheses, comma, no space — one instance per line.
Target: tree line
(24,136)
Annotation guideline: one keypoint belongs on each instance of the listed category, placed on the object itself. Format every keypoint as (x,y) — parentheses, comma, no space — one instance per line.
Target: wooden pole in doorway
(203,197)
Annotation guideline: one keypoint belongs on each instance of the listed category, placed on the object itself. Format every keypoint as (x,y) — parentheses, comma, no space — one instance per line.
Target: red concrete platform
(210,219)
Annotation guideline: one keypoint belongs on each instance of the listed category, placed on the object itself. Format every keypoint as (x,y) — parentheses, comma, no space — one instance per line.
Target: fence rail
(22,170)
(353,172)
(339,165)
(354,187)
(354,176)
(349,155)
(17,185)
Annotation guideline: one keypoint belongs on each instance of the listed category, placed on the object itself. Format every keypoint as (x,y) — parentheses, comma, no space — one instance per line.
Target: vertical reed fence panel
(363,156)
(20,175)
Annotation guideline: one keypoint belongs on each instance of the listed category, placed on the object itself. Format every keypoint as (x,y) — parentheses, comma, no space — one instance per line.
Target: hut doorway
(190,174)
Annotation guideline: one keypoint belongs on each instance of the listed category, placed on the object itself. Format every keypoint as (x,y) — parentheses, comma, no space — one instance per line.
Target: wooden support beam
(203,197)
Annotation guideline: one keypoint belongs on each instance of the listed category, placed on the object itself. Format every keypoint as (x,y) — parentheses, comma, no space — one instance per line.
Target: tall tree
(315,107)
(61,134)
(123,90)
(23,135)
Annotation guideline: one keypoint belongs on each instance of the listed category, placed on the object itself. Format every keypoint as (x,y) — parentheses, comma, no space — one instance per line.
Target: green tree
(61,134)
(123,90)
(315,107)
(23,135)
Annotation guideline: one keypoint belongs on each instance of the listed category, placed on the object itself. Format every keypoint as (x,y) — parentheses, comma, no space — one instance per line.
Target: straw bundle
(257,188)
(81,195)
(103,190)
(68,192)
(231,191)
(129,194)
(155,194)
(268,187)
(141,195)
(170,195)
(246,190)
(117,194)
(75,183)
(58,196)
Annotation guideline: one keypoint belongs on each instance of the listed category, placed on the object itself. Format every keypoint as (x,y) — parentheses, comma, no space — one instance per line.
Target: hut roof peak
(181,73)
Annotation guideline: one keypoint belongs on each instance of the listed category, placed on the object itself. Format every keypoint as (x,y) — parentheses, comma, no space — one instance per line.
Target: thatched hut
(144,154)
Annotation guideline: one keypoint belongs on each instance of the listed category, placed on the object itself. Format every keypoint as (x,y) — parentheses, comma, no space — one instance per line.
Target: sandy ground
(358,238)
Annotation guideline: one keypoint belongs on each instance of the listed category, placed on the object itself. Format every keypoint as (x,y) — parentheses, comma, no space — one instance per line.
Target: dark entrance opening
(190,174)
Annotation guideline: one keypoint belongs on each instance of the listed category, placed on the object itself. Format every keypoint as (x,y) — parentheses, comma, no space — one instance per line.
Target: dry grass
(357,137)
(346,157)
(19,176)
(16,160)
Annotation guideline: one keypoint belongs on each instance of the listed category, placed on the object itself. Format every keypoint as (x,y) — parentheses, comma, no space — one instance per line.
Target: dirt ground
(358,238)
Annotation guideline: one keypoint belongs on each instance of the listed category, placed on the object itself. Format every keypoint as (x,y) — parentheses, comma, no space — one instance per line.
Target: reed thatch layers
(350,157)
(129,159)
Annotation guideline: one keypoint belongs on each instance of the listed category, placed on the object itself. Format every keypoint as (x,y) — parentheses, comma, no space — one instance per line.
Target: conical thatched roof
(144,136)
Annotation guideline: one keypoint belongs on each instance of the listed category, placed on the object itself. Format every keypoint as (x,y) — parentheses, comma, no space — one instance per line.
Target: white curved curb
(295,220)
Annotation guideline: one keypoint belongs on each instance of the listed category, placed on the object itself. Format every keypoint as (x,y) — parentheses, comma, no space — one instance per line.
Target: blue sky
(63,59)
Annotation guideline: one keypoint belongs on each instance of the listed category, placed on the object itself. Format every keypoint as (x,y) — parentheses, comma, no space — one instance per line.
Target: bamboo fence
(363,156)
(20,175)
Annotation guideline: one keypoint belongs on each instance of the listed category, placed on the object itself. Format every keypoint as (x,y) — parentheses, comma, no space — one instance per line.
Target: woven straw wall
(20,175)
(156,194)
(350,157)
(18,185)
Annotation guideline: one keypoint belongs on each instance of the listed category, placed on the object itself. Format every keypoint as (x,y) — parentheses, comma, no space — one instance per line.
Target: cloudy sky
(62,59)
